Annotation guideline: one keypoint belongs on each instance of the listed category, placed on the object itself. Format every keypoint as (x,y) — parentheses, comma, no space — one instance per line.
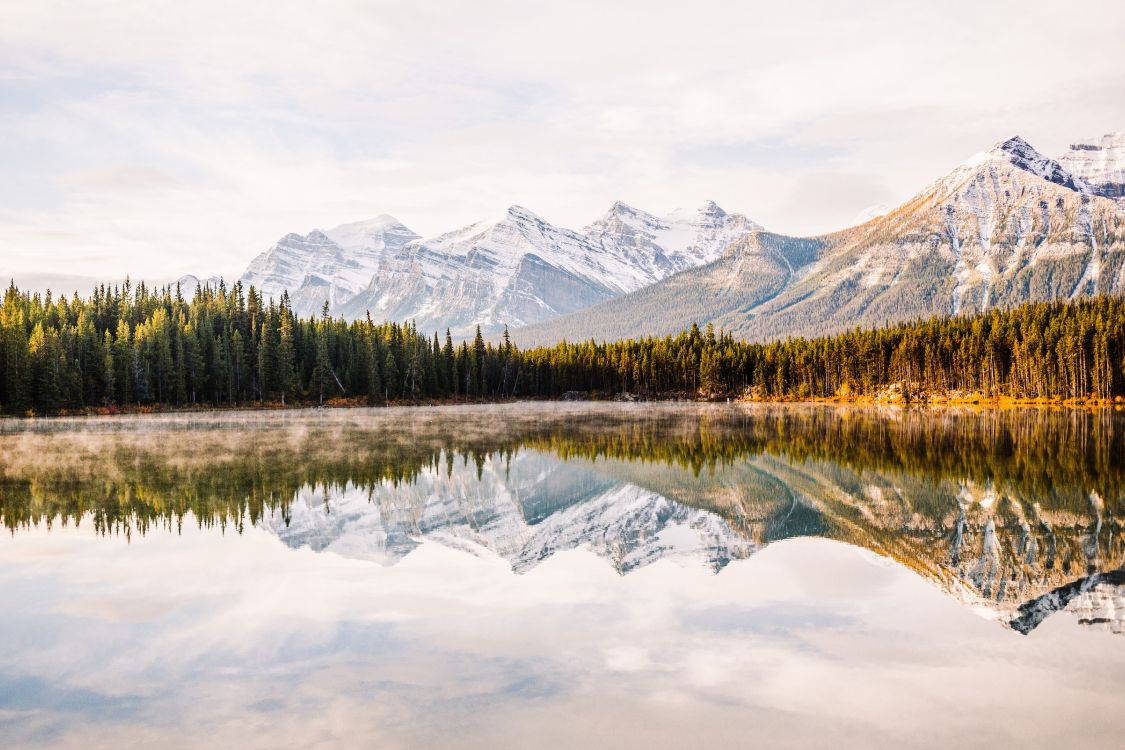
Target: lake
(565,575)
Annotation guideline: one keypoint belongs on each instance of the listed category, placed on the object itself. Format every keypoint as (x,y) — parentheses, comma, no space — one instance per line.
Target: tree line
(130,345)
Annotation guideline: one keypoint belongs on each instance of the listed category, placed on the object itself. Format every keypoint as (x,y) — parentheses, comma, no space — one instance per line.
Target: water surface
(651,575)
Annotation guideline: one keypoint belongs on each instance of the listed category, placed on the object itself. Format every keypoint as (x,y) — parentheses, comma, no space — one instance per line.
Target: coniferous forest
(130,346)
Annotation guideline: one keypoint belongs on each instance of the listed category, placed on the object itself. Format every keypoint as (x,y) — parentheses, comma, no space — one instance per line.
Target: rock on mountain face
(663,246)
(328,266)
(514,271)
(1100,162)
(1007,226)
(752,270)
(1021,155)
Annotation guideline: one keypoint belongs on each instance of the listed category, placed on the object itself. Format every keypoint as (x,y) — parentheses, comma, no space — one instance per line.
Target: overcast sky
(156,139)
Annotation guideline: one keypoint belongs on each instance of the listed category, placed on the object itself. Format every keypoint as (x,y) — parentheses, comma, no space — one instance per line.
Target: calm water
(551,576)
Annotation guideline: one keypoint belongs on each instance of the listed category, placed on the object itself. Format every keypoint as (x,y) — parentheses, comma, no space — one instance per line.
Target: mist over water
(561,575)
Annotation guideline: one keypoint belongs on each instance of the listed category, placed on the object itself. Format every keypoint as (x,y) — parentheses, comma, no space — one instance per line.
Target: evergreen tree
(267,359)
(286,356)
(390,376)
(322,368)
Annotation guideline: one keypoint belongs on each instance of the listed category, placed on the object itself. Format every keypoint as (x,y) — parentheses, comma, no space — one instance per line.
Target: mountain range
(513,271)
(1008,225)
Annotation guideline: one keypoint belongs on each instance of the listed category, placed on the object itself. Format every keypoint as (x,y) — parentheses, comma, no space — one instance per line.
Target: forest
(132,346)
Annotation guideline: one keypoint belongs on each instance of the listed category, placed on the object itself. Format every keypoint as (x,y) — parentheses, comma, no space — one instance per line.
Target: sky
(156,139)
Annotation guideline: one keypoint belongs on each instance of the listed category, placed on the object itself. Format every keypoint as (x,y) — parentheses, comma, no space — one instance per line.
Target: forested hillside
(127,346)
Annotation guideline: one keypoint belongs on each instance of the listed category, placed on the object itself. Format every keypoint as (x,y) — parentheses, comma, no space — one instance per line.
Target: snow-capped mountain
(1022,155)
(330,266)
(1009,225)
(523,511)
(1100,163)
(516,270)
(660,246)
(189,282)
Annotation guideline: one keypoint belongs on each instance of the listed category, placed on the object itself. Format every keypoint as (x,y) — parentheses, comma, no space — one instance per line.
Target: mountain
(1008,225)
(662,246)
(330,266)
(189,282)
(516,270)
(1100,163)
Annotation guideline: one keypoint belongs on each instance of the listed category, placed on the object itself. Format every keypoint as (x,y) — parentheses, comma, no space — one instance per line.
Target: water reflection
(523,508)
(1017,512)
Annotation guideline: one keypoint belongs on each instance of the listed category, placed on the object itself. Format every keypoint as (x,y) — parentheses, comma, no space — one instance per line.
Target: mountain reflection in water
(1014,512)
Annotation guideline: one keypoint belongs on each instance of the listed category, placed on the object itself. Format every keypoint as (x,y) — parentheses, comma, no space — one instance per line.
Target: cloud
(186,138)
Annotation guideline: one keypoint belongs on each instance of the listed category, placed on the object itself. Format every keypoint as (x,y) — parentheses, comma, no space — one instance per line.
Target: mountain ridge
(1006,226)
(514,270)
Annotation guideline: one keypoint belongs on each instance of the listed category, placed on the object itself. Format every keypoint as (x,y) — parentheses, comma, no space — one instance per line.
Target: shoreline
(972,400)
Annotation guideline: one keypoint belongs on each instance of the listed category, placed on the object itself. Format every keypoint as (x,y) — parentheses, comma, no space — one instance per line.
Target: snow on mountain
(1100,163)
(1007,226)
(523,511)
(330,266)
(512,271)
(189,282)
(1022,155)
(515,270)
(660,246)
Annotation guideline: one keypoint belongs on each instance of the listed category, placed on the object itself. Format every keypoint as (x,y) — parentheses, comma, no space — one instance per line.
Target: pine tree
(390,376)
(267,360)
(476,364)
(110,369)
(123,361)
(238,367)
(322,368)
(286,356)
(449,364)
(43,359)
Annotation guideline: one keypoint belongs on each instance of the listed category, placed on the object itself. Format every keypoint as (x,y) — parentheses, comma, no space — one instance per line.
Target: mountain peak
(1015,146)
(381,220)
(711,208)
(380,223)
(520,213)
(1022,155)
(190,281)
